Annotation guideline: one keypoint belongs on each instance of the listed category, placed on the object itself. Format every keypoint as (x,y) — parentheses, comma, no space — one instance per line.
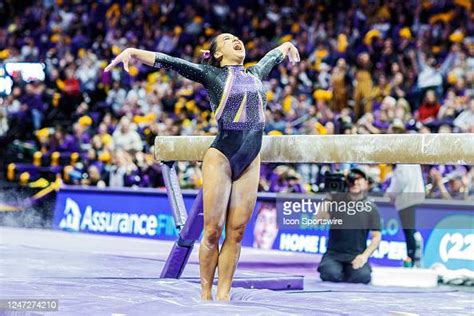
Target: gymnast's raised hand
(291,52)
(125,57)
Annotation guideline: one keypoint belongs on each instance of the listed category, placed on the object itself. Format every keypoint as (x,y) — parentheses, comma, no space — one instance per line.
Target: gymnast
(231,166)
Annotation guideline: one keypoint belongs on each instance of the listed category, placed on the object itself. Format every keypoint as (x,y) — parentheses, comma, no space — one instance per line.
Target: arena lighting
(28,71)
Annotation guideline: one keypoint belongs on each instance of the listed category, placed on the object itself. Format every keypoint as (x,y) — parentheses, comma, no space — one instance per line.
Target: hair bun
(206,54)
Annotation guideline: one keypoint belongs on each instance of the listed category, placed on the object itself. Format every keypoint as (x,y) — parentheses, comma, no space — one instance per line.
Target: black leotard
(238,101)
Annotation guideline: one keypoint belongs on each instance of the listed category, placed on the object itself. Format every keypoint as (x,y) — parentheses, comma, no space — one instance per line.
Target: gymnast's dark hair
(211,60)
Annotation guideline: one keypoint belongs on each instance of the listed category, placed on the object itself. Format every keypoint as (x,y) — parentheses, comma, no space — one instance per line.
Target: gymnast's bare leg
(242,202)
(217,182)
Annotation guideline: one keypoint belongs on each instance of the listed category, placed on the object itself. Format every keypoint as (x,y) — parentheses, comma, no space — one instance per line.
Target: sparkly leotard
(238,101)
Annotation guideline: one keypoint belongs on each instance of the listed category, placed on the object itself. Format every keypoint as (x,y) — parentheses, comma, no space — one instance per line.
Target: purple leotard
(238,101)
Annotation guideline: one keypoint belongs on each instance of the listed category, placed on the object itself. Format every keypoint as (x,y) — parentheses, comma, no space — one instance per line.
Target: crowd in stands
(368,67)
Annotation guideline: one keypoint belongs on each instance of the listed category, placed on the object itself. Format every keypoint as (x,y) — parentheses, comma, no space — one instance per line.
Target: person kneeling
(346,258)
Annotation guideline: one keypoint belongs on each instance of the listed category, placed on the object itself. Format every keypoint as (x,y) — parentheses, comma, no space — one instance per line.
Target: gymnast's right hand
(124,57)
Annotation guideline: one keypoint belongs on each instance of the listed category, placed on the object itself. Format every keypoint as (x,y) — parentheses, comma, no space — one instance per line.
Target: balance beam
(393,148)
(456,149)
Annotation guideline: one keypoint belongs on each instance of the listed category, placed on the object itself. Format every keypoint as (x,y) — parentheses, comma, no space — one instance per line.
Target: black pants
(336,267)
(407,217)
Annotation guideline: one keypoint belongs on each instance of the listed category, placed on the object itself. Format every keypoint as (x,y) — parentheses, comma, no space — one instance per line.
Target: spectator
(429,109)
(105,138)
(80,132)
(465,120)
(381,90)
(123,172)
(93,177)
(126,138)
(32,99)
(116,97)
(363,87)
(62,142)
(285,179)
(432,73)
(340,82)
(457,187)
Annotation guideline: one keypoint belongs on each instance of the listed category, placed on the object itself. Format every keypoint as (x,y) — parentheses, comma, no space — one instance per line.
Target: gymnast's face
(230,49)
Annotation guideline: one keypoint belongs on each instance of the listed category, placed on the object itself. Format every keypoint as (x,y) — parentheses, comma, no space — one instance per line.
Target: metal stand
(189,228)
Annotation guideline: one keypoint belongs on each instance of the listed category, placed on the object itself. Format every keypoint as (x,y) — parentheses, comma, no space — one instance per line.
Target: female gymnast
(231,166)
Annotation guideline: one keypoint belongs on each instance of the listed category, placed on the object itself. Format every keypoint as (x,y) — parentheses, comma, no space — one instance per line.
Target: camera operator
(346,258)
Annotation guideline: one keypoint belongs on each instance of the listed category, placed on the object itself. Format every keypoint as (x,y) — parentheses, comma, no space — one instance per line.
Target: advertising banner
(143,213)
(447,228)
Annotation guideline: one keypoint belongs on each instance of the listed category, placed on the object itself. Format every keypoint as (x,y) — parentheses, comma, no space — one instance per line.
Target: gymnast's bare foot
(223,298)
(206,296)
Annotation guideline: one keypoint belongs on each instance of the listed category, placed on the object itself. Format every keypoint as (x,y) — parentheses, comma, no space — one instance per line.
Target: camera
(338,182)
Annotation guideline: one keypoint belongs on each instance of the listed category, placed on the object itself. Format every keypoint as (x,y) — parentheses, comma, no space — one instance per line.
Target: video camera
(337,182)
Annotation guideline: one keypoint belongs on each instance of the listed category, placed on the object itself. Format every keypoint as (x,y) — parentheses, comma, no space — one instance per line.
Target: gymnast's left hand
(124,57)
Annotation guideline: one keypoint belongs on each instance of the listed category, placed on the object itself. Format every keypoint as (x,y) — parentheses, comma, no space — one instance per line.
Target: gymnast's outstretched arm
(196,72)
(274,57)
